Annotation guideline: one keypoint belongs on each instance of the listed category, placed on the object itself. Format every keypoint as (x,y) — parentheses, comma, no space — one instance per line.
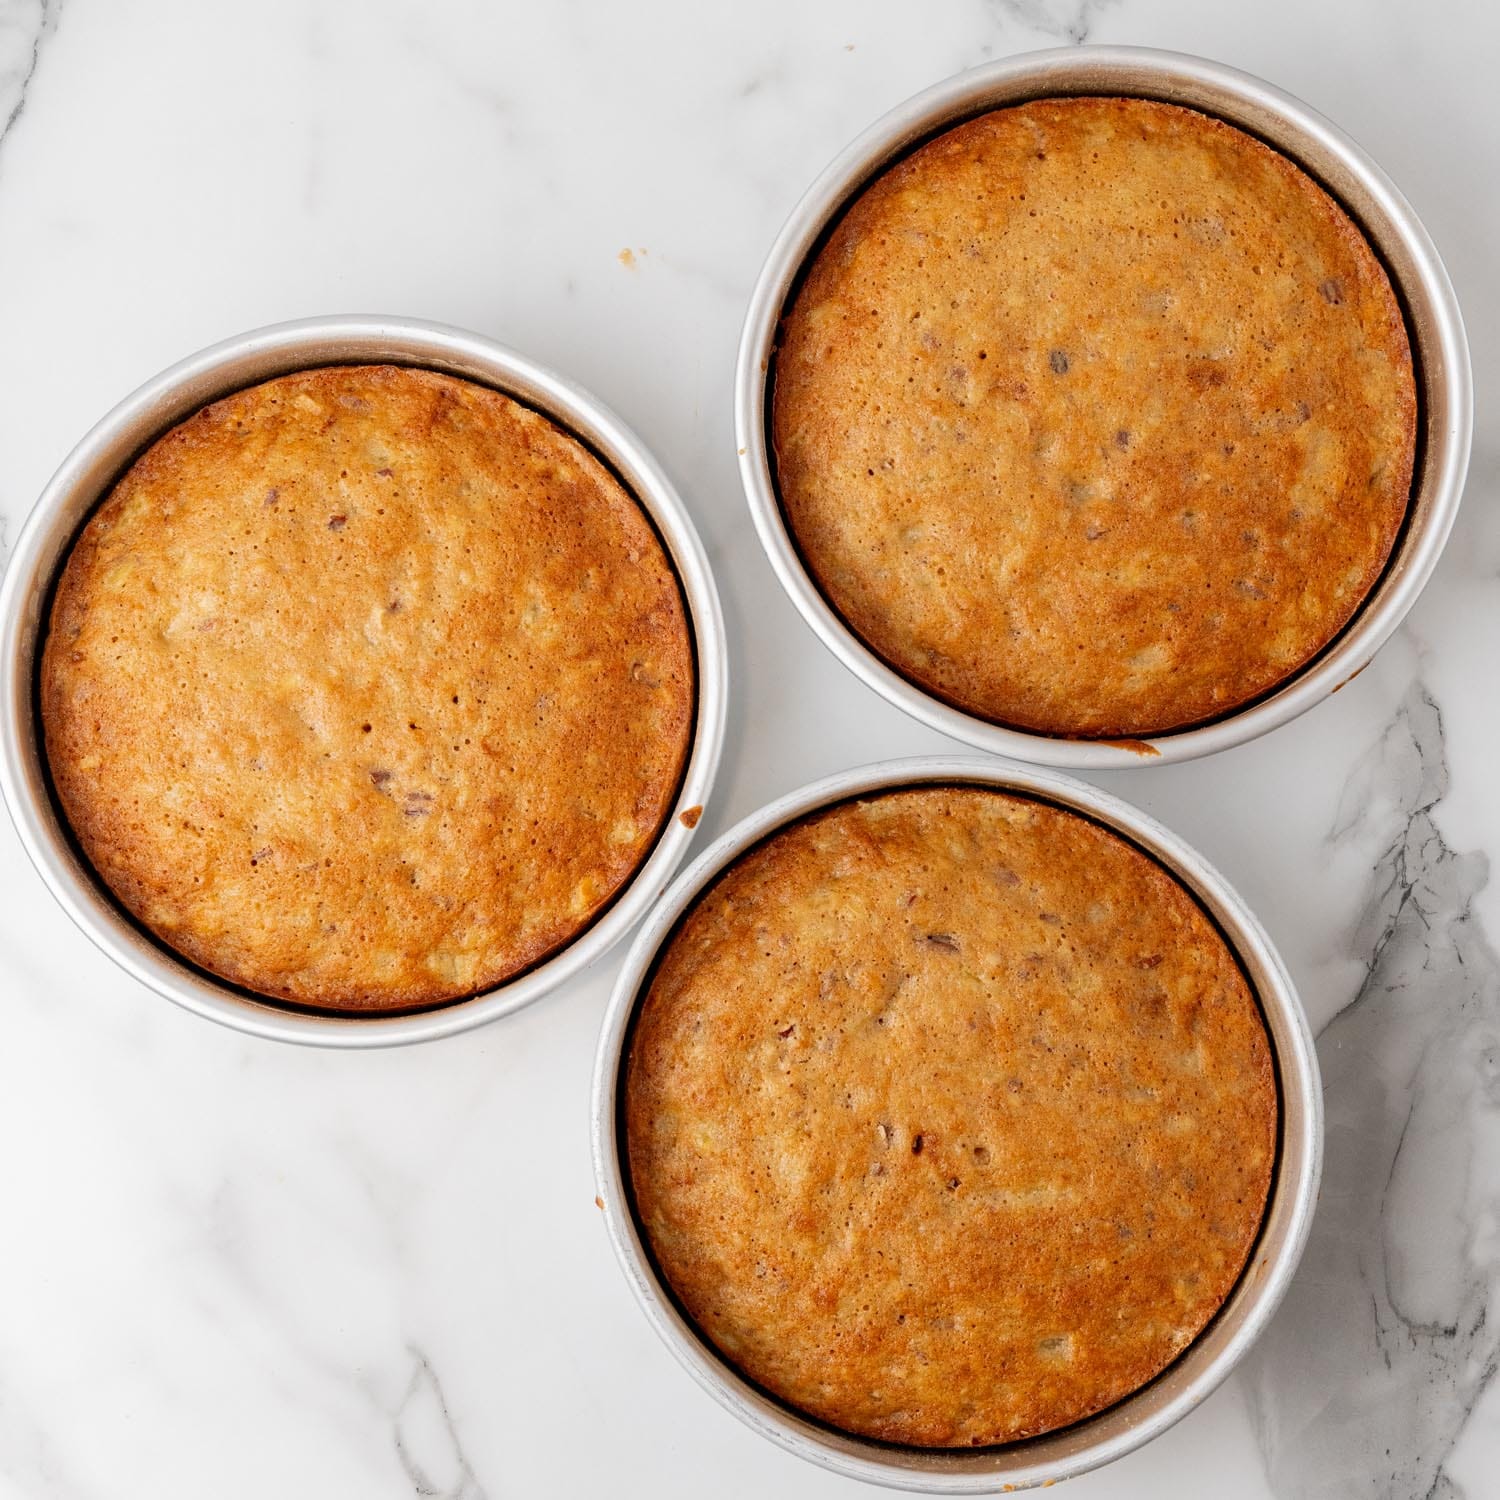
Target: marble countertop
(240,1269)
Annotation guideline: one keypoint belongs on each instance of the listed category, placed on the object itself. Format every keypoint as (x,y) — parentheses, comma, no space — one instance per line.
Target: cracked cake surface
(367,688)
(1095,417)
(950,1117)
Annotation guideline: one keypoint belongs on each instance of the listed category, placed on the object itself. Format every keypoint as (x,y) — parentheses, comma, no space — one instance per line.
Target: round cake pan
(1197,1371)
(1434,323)
(88,475)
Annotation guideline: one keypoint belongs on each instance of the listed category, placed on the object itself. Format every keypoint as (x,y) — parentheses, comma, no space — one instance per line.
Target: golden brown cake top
(1095,417)
(367,688)
(950,1117)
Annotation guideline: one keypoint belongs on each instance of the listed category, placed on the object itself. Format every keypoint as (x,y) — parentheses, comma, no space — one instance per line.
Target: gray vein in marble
(233,1288)
(477,85)
(1386,1342)
(25,980)
(1066,20)
(427,1441)
(726,287)
(30,1456)
(24,26)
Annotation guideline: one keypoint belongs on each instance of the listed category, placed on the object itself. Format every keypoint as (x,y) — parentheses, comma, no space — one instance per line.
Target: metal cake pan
(1197,1371)
(87,476)
(1436,328)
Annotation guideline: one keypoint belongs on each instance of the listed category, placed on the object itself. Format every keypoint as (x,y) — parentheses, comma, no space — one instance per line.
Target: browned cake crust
(367,688)
(950,1117)
(1095,417)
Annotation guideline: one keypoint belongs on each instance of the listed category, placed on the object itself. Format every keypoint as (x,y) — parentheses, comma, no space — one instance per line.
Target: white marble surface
(234,1269)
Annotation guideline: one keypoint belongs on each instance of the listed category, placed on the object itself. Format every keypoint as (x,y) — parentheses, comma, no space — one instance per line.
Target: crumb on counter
(1143,748)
